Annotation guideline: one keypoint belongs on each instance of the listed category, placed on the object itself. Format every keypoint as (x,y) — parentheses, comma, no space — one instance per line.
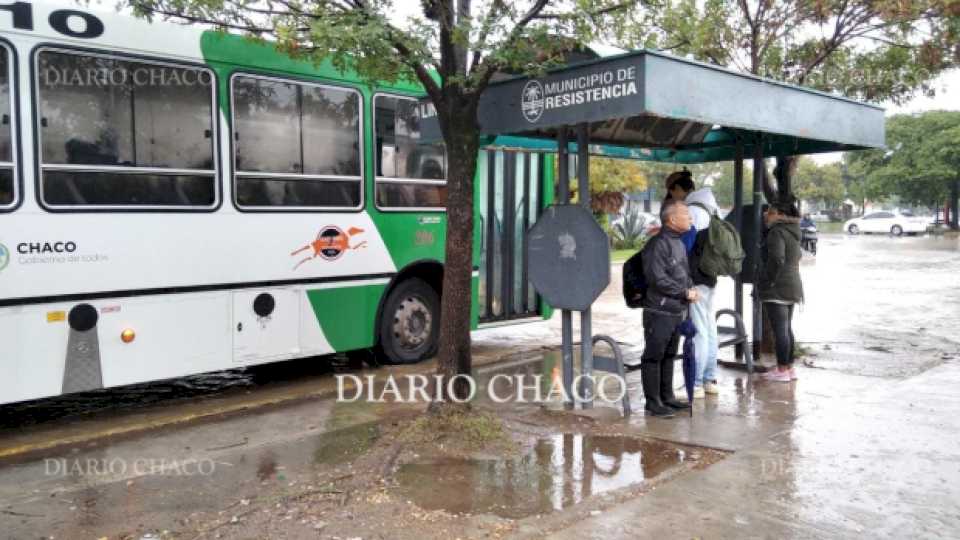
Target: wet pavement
(877,460)
(875,305)
(863,444)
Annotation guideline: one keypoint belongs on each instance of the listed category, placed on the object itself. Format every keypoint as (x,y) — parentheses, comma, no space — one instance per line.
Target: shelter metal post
(566,332)
(758,180)
(563,166)
(583,165)
(738,222)
(566,340)
(586,318)
(784,181)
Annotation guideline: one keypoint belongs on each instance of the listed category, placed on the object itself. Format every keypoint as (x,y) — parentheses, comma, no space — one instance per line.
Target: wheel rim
(853,229)
(412,323)
(897,231)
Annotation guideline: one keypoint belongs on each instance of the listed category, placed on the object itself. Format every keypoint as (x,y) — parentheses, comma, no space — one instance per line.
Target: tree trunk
(461,134)
(955,205)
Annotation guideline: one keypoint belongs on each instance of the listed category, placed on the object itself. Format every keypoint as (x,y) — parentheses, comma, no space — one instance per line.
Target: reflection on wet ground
(880,288)
(560,471)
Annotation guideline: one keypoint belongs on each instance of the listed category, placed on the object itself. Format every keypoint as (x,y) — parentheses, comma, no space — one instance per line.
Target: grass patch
(829,227)
(621,255)
(471,429)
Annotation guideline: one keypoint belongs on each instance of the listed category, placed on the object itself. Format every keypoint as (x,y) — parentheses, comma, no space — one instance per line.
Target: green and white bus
(175,201)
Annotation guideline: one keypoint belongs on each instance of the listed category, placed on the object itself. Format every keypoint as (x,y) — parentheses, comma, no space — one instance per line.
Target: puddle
(560,471)
(345,444)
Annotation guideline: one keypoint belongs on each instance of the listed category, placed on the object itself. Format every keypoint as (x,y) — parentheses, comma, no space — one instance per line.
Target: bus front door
(510,195)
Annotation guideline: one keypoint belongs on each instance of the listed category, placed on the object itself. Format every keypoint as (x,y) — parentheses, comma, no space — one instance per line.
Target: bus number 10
(22,13)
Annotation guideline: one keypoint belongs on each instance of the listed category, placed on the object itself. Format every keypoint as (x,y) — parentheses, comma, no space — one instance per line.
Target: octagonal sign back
(569,257)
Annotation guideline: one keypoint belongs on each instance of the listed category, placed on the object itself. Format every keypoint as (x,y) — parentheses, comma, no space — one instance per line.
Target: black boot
(650,377)
(666,387)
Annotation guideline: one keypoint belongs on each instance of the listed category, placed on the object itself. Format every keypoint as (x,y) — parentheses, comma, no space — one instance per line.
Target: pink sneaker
(775,375)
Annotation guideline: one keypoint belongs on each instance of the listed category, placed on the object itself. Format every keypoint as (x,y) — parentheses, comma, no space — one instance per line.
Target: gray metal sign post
(569,258)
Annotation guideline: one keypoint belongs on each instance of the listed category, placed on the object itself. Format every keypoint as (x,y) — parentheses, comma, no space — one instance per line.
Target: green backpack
(723,254)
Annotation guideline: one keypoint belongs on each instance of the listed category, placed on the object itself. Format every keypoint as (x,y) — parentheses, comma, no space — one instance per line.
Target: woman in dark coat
(780,286)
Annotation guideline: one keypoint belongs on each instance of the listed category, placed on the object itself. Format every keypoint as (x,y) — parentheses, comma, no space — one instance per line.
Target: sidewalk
(830,456)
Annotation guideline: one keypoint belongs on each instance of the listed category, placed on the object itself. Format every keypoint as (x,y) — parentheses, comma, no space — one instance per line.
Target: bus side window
(297,144)
(117,132)
(411,173)
(8,194)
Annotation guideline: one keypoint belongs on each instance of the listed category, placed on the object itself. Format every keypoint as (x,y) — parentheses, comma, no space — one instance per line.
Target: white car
(895,223)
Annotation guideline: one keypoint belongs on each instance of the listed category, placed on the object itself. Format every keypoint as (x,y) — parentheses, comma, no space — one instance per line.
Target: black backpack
(634,282)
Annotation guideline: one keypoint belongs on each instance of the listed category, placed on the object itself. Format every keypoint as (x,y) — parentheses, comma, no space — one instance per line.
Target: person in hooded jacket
(703,205)
(780,286)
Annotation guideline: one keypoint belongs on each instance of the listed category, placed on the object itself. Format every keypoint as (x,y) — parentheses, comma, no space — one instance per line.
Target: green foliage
(610,180)
(922,158)
(628,233)
(820,184)
(453,43)
(616,175)
(723,185)
(869,49)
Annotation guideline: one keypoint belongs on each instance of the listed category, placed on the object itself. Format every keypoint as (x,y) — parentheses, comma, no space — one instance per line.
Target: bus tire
(409,329)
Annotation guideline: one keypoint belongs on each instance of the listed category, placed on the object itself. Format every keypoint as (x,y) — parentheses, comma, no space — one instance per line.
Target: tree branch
(591,14)
(496,7)
(202,20)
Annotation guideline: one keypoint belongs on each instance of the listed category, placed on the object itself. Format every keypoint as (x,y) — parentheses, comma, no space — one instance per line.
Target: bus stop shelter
(656,107)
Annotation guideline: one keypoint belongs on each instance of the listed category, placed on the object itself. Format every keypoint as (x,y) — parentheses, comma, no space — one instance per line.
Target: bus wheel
(410,325)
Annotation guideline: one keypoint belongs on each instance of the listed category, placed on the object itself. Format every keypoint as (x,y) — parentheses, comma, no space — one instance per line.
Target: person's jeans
(705,342)
(781,320)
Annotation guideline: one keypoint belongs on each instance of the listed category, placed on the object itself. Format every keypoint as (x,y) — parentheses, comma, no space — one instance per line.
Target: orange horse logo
(330,244)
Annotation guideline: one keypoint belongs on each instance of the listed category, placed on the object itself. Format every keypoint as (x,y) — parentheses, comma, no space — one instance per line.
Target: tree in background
(721,175)
(922,159)
(453,48)
(821,185)
(874,50)
(610,181)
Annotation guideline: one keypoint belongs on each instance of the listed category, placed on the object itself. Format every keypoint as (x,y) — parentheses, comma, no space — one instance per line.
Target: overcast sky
(947,98)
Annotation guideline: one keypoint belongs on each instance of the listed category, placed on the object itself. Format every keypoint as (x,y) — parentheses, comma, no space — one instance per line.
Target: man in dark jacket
(669,291)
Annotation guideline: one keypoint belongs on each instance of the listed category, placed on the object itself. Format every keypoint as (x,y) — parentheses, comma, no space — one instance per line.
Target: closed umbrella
(688,331)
